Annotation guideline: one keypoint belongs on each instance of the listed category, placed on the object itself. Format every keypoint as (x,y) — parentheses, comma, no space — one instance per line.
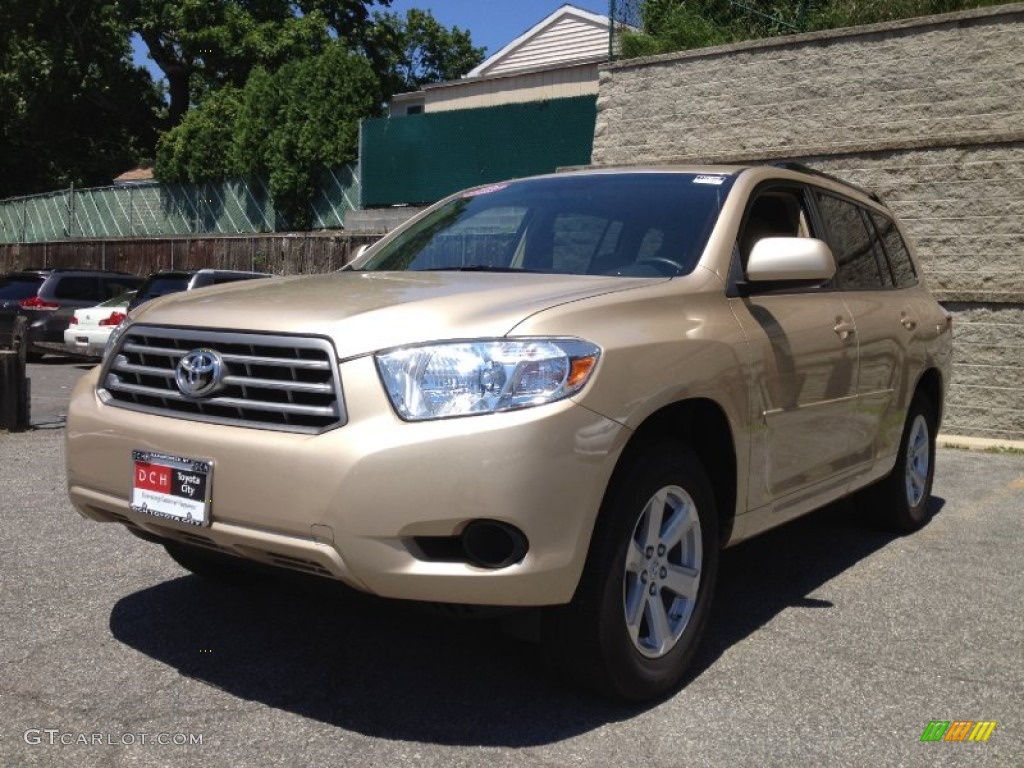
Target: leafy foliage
(73,109)
(415,50)
(203,45)
(199,148)
(287,125)
(675,25)
(289,122)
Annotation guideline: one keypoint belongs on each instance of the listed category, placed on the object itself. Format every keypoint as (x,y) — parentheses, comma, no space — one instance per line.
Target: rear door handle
(844,329)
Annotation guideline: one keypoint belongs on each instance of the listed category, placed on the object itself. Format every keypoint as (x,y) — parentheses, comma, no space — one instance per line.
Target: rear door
(884,322)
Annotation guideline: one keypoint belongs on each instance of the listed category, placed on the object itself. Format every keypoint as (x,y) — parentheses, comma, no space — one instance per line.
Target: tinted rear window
(159,286)
(78,288)
(852,245)
(18,287)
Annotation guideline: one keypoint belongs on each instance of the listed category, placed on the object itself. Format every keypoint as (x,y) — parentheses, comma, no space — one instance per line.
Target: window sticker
(716,180)
(485,190)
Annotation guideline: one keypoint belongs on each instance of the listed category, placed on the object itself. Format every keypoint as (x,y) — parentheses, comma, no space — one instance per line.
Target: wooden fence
(281,254)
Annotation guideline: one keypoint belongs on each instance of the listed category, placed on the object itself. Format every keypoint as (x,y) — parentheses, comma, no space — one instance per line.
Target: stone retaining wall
(927,112)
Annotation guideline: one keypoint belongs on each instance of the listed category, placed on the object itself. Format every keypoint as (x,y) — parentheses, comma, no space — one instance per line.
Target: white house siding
(530,86)
(567,39)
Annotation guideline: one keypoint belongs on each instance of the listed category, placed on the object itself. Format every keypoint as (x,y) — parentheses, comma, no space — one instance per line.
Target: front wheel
(901,501)
(644,600)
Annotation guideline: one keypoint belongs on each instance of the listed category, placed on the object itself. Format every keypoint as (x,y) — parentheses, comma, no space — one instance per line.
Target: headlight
(115,336)
(438,381)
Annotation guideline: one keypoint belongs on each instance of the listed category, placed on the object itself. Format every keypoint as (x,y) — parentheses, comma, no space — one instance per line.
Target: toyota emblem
(199,373)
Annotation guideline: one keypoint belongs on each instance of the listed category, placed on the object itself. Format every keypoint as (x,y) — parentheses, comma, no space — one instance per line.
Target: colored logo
(958,730)
(199,373)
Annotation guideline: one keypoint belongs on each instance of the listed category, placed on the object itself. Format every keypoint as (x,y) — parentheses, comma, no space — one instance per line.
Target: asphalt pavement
(832,644)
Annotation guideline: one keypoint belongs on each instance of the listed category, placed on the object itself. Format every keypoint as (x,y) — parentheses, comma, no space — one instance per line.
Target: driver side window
(773,213)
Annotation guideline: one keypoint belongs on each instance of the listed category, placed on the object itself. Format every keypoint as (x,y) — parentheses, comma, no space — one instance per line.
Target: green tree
(291,122)
(73,108)
(315,125)
(202,45)
(200,147)
(289,126)
(409,52)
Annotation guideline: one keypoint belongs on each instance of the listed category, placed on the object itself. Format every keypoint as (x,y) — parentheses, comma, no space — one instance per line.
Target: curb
(979,443)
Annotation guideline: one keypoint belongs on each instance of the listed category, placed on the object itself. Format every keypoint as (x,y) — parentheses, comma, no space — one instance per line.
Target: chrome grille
(286,383)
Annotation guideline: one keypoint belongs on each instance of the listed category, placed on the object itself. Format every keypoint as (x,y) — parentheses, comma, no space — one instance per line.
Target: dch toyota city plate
(172,487)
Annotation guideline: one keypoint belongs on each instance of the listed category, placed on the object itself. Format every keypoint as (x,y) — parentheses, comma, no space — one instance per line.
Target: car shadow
(397,670)
(78,361)
(782,568)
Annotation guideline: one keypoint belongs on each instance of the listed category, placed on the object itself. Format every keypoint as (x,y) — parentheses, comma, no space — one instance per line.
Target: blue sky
(494,23)
(491,23)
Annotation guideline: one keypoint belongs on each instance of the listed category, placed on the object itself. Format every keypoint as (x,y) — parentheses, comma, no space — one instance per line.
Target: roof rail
(792,165)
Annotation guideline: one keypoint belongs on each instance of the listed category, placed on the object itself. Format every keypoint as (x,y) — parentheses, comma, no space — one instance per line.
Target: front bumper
(348,503)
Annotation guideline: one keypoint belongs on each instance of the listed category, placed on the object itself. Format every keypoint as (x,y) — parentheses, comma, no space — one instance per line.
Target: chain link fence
(152,209)
(625,15)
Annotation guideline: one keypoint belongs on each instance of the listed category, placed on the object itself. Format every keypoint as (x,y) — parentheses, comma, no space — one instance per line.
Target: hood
(367,311)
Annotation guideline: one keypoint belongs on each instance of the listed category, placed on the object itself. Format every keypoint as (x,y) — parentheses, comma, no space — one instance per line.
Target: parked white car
(90,327)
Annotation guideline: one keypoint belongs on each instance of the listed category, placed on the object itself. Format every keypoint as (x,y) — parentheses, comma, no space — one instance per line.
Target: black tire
(902,500)
(590,638)
(212,566)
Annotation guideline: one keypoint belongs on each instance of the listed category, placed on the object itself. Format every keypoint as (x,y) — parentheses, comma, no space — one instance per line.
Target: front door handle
(844,329)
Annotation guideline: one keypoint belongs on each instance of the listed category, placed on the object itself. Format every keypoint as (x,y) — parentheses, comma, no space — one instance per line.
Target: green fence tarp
(417,159)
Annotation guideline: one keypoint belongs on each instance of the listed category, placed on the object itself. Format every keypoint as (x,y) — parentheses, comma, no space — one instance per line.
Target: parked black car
(175,280)
(46,299)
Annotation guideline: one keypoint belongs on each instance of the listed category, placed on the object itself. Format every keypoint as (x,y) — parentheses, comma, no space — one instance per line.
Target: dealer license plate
(172,487)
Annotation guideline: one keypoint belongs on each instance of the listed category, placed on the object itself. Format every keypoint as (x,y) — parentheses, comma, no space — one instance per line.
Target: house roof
(570,35)
(135,175)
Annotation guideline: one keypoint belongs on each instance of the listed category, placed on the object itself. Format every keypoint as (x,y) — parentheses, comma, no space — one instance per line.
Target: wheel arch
(931,385)
(701,424)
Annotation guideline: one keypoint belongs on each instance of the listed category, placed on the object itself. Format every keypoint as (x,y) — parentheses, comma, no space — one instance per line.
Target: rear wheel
(645,596)
(902,500)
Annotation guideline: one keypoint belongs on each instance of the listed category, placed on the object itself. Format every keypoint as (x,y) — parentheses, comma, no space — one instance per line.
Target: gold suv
(566,392)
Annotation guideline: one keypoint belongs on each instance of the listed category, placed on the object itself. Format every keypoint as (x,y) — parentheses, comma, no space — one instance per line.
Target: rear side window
(902,265)
(115,286)
(158,285)
(16,287)
(79,288)
(853,245)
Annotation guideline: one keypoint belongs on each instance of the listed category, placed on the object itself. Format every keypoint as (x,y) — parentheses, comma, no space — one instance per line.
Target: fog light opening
(493,544)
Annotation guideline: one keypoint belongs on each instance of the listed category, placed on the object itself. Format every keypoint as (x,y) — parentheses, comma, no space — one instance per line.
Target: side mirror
(788,259)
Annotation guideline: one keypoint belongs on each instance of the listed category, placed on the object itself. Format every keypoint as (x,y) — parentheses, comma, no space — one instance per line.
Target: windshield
(626,224)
